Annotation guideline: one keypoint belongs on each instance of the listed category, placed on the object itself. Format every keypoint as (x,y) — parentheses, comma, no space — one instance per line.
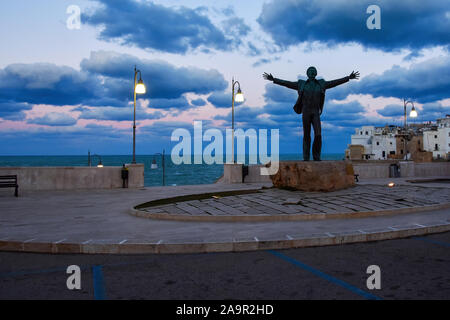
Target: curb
(300,241)
(283,217)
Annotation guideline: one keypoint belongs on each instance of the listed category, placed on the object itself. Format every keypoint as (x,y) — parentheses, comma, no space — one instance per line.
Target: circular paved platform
(99,221)
(282,205)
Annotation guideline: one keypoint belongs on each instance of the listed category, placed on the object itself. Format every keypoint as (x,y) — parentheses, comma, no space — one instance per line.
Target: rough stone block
(313,176)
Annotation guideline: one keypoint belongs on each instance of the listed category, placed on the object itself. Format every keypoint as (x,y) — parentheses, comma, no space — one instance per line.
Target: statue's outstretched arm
(289,84)
(334,83)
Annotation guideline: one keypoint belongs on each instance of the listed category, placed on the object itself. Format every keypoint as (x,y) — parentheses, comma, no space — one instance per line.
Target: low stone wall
(433,169)
(372,170)
(365,169)
(72,178)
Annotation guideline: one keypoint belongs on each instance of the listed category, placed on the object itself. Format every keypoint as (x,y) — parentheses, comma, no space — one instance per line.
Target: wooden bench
(9,182)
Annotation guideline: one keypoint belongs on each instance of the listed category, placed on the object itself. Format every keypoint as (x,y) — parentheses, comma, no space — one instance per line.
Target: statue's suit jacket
(300,85)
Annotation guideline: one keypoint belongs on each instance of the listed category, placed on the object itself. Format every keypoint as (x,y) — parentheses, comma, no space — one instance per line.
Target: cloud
(105,80)
(411,24)
(423,82)
(45,83)
(60,140)
(117,114)
(198,102)
(391,110)
(10,110)
(433,111)
(149,25)
(222,100)
(162,79)
(55,119)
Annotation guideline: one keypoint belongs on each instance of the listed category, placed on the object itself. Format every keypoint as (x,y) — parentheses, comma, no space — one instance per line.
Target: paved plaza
(100,221)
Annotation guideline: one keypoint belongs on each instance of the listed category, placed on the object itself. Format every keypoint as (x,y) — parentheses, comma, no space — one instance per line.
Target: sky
(64,90)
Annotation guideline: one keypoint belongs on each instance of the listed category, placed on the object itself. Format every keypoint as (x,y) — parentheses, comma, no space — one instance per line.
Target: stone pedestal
(314,175)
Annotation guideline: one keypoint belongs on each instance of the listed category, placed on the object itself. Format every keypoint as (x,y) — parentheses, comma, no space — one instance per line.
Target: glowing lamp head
(100,165)
(140,87)
(413,113)
(239,96)
(154,165)
(391,184)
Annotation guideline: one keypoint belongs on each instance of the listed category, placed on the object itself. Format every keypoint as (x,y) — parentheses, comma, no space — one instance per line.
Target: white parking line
(361,231)
(256,239)
(419,225)
(329,234)
(392,228)
(60,241)
(289,237)
(86,242)
(159,242)
(29,240)
(123,241)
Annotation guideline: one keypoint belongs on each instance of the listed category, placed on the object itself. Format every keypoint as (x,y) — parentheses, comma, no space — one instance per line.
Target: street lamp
(412,114)
(155,166)
(239,97)
(100,164)
(139,88)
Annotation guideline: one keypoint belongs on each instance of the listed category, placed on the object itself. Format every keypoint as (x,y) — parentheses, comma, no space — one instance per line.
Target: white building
(377,142)
(363,136)
(437,139)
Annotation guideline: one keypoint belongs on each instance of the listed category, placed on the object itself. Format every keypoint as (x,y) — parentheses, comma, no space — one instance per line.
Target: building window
(391,143)
(384,154)
(436,148)
(378,143)
(392,152)
(361,132)
(401,151)
(435,136)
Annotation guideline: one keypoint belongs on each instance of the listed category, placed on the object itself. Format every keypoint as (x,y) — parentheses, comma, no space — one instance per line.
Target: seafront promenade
(105,221)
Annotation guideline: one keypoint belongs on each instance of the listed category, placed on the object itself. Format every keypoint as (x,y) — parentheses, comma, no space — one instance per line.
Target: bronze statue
(311,98)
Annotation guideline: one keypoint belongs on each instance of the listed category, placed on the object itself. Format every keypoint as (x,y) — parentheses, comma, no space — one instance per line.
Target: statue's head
(311,73)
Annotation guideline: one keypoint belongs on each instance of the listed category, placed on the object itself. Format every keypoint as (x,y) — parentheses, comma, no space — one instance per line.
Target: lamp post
(139,88)
(239,97)
(412,114)
(155,166)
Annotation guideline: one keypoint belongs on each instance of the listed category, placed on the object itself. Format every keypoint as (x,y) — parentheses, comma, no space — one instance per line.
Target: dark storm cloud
(427,81)
(44,83)
(411,24)
(162,79)
(105,80)
(154,26)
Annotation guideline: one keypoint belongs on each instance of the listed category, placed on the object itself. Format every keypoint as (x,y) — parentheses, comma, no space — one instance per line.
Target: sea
(183,174)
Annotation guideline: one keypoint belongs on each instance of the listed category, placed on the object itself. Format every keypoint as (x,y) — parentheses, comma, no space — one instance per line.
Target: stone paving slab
(340,204)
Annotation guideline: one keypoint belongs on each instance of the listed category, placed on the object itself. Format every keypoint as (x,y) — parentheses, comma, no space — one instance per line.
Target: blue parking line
(440,243)
(326,276)
(99,283)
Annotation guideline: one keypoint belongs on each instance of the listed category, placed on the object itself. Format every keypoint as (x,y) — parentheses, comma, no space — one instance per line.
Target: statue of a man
(311,98)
